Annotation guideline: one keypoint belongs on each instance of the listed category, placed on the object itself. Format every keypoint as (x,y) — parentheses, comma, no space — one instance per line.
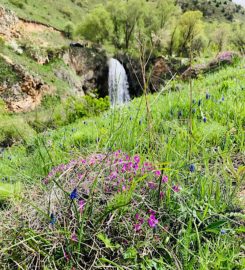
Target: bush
(85,107)
(14,129)
(69,30)
(7,74)
(18,3)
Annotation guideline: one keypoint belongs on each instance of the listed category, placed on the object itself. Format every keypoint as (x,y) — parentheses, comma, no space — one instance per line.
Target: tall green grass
(203,224)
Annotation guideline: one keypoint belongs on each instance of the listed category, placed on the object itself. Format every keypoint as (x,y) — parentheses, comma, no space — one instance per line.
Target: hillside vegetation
(197,219)
(54,13)
(155,183)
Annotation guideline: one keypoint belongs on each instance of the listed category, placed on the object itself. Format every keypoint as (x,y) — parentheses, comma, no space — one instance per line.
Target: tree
(165,10)
(238,37)
(190,26)
(97,25)
(69,30)
(220,36)
(126,16)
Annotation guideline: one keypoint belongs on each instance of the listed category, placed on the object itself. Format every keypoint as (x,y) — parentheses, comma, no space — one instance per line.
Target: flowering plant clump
(117,194)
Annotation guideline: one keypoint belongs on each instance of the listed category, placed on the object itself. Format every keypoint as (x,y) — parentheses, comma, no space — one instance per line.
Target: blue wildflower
(199,102)
(192,168)
(73,194)
(52,219)
(223,98)
(204,119)
(223,231)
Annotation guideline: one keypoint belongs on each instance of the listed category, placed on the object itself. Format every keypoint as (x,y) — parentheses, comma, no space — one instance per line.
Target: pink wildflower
(74,237)
(113,175)
(152,221)
(152,185)
(66,256)
(136,166)
(137,227)
(157,173)
(164,179)
(81,204)
(176,188)
(137,159)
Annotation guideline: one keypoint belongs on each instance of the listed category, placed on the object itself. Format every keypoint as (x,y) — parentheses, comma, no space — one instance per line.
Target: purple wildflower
(176,188)
(81,204)
(152,221)
(74,237)
(73,194)
(137,159)
(164,179)
(137,227)
(113,175)
(157,173)
(152,185)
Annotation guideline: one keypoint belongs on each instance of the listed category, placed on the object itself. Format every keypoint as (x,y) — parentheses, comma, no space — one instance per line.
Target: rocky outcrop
(223,58)
(26,93)
(8,21)
(90,64)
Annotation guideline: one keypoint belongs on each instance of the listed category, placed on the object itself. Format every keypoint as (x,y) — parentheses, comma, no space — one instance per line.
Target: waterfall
(118,83)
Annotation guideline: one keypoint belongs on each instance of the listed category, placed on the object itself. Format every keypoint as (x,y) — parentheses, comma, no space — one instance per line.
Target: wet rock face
(25,94)
(90,64)
(161,72)
(8,20)
(134,73)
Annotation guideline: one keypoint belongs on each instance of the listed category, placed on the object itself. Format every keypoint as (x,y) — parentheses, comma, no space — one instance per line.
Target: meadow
(133,188)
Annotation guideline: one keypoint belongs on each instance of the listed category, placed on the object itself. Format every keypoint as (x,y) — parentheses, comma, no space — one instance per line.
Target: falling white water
(118,83)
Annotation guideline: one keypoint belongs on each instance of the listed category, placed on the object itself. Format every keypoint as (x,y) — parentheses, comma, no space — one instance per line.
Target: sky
(241,2)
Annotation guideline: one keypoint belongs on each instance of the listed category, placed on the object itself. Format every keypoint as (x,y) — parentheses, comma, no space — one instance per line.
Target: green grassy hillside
(198,219)
(54,13)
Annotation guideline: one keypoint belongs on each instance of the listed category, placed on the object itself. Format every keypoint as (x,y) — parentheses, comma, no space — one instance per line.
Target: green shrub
(85,107)
(18,3)
(69,30)
(7,74)
(14,129)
